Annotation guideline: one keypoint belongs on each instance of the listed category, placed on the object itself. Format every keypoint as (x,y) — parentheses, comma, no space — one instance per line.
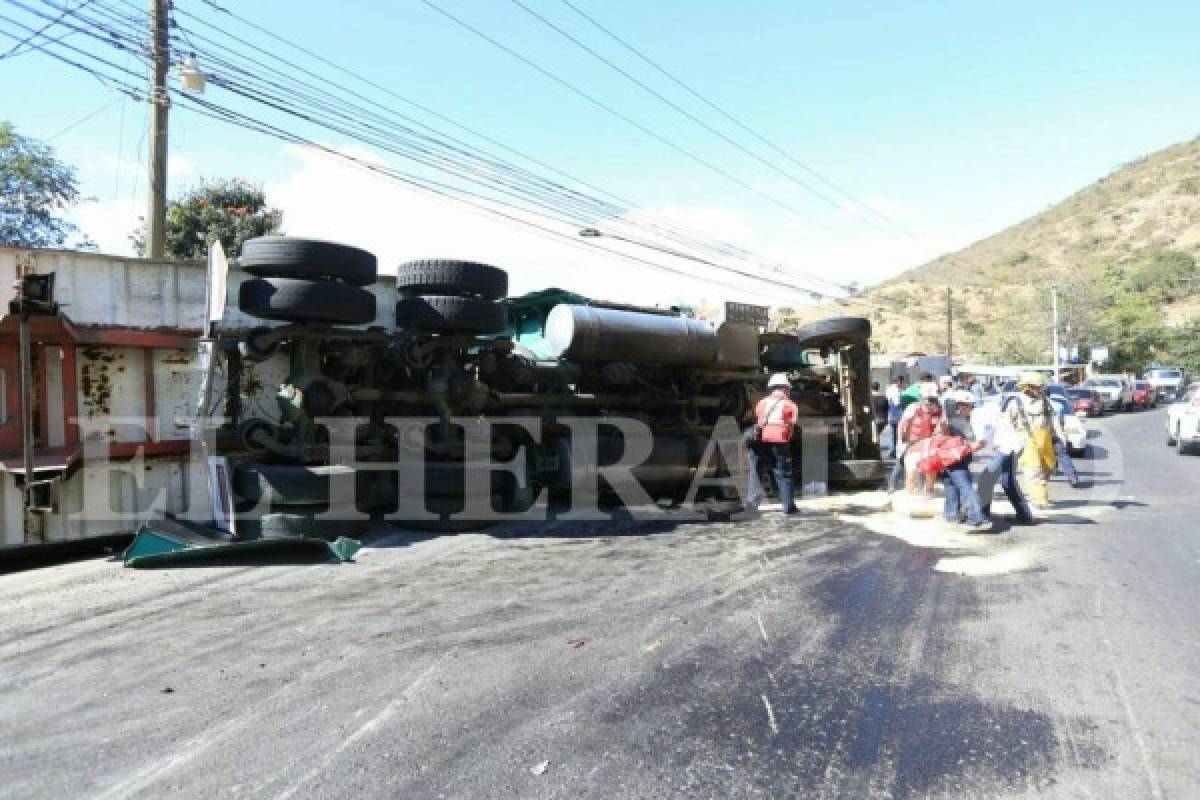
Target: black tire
(307,259)
(291,300)
(444,314)
(460,278)
(1170,439)
(280,485)
(832,330)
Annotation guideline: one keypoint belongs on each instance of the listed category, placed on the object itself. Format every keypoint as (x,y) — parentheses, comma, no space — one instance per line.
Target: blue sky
(953,119)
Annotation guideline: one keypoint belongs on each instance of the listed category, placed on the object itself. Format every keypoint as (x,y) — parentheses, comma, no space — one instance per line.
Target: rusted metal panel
(121,359)
(111,386)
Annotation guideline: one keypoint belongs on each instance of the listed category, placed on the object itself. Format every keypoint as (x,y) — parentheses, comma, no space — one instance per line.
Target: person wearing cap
(960,490)
(1032,416)
(775,420)
(919,422)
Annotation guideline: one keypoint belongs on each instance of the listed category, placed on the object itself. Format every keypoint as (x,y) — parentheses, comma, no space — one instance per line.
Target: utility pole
(1054,315)
(949,327)
(156,215)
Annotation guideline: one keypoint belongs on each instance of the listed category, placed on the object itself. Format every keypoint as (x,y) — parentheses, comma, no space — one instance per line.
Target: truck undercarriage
(473,402)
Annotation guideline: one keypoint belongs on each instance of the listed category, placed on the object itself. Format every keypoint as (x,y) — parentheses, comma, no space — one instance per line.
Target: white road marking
(770,714)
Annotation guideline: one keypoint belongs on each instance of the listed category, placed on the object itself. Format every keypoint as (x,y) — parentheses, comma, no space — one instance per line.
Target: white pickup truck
(1168,382)
(1114,390)
(1183,420)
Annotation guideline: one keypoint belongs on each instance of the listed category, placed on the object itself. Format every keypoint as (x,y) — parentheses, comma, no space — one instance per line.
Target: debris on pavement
(173,543)
(539,768)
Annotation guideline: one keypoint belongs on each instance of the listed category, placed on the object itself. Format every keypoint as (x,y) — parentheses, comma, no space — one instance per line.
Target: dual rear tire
(307,280)
(439,296)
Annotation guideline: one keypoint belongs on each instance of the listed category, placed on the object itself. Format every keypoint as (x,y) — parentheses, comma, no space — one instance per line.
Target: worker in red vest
(775,419)
(919,423)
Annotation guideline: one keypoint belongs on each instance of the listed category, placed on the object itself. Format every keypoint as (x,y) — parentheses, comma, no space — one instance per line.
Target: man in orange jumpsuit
(775,420)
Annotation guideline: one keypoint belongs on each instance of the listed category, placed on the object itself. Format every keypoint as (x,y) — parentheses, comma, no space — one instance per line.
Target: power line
(108,36)
(684,237)
(683,111)
(480,204)
(117,84)
(13,51)
(632,122)
(733,119)
(673,231)
(217,112)
(80,121)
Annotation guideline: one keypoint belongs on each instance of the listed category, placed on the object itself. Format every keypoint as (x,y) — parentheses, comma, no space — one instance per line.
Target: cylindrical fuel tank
(589,335)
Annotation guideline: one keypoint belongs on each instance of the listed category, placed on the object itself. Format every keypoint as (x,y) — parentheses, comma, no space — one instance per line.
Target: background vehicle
(1086,401)
(1144,395)
(1075,426)
(1169,382)
(1116,391)
(1055,390)
(1073,423)
(1183,420)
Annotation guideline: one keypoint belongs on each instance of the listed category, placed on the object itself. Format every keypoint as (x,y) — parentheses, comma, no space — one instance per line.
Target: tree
(230,211)
(1134,325)
(37,187)
(1183,347)
(1165,274)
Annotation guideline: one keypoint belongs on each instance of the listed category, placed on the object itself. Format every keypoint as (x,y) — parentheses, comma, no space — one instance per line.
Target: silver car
(1116,392)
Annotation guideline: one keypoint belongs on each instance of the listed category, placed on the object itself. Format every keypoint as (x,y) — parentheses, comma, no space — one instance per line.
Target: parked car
(1086,401)
(1170,382)
(1183,420)
(1144,395)
(1116,391)
(1075,426)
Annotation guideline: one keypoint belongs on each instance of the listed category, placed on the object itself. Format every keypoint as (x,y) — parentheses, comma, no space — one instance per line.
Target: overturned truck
(442,401)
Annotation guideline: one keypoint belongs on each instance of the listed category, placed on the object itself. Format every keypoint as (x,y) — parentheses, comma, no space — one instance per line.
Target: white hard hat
(963,396)
(946,380)
(929,392)
(779,379)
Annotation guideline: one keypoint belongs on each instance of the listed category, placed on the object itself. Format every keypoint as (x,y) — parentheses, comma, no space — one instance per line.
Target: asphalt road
(850,653)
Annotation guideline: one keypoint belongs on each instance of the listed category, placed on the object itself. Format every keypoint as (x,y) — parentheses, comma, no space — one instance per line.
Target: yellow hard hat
(1032,378)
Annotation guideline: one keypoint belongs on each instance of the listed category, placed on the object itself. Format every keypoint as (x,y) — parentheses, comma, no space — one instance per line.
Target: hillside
(1140,225)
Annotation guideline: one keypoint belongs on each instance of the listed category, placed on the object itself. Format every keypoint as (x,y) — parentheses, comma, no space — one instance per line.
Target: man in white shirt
(1005,443)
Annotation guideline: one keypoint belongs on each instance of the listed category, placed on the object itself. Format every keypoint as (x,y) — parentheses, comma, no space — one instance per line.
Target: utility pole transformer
(156,215)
